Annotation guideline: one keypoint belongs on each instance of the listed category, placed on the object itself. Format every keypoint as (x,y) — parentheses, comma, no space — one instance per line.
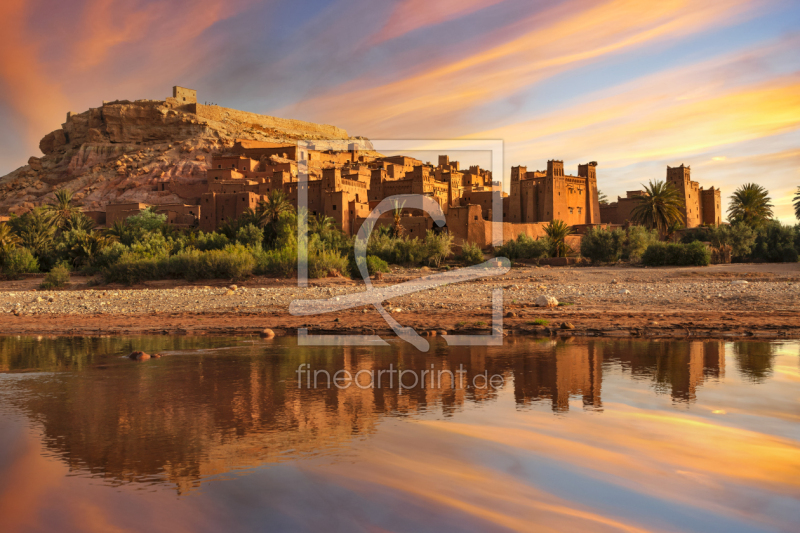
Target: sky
(635,86)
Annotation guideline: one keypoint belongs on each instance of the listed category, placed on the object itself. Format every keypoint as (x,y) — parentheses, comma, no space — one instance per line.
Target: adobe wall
(119,212)
(712,206)
(298,127)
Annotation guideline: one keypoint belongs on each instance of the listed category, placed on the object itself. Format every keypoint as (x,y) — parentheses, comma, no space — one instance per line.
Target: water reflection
(202,411)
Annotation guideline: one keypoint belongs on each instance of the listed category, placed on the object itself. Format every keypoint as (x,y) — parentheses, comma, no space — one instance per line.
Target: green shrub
(210,241)
(677,254)
(147,220)
(397,250)
(234,262)
(280,263)
(471,254)
(637,239)
(57,277)
(438,247)
(18,261)
(524,247)
(602,245)
(740,237)
(250,235)
(324,263)
(774,242)
(130,268)
(374,264)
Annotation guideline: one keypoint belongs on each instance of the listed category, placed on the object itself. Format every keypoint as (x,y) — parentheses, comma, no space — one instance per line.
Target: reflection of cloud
(675,460)
(410,15)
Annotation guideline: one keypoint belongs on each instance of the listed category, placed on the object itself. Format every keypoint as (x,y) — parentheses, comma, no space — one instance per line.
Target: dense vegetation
(59,239)
(601,245)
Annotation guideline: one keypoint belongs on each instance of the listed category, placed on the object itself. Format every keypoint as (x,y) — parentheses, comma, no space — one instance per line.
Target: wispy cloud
(411,15)
(509,60)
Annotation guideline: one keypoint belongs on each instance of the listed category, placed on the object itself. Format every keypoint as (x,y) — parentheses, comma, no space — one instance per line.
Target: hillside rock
(123,150)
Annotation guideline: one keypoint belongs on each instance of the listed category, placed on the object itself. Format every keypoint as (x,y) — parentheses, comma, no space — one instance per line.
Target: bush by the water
(411,251)
(18,261)
(602,245)
(739,237)
(57,278)
(677,254)
(776,243)
(524,247)
(471,254)
(772,241)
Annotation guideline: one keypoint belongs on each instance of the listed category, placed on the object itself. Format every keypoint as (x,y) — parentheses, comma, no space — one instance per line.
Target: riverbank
(716,301)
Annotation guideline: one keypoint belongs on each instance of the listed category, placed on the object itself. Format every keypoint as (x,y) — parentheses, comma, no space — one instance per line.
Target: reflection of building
(208,415)
(569,370)
(677,367)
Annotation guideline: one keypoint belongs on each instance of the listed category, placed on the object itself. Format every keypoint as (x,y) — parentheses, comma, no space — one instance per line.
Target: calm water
(578,436)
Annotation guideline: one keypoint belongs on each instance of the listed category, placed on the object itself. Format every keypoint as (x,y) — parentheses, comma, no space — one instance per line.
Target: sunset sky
(636,86)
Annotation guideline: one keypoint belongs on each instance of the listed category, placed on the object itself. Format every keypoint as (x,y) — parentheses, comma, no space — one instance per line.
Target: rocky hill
(121,151)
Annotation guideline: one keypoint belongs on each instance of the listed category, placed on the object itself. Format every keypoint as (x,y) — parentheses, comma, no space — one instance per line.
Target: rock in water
(139,356)
(266,333)
(546,301)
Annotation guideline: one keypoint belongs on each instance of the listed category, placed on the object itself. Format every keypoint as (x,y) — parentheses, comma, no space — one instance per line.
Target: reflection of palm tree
(62,211)
(751,205)
(557,231)
(658,208)
(754,359)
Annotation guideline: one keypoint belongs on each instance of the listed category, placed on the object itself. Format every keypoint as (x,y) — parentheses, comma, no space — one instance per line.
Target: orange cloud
(561,38)
(24,83)
(410,15)
(164,37)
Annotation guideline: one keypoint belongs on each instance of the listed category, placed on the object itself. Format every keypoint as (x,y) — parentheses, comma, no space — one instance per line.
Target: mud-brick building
(700,206)
(553,195)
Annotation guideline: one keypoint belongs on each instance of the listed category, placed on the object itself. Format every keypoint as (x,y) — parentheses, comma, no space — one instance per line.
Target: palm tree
(268,211)
(557,232)
(397,226)
(63,210)
(87,247)
(8,238)
(602,198)
(797,204)
(750,205)
(79,221)
(321,224)
(35,230)
(659,207)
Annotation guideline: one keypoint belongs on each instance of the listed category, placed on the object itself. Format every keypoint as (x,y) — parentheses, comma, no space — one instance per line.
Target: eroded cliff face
(122,151)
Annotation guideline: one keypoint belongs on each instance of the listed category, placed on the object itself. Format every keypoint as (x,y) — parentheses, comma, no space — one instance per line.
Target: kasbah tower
(701,206)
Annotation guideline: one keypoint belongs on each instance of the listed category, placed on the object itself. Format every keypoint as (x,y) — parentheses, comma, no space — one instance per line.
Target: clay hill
(122,150)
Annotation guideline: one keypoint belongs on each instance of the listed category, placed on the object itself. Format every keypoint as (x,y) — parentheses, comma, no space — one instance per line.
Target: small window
(219,166)
(334,207)
(476,217)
